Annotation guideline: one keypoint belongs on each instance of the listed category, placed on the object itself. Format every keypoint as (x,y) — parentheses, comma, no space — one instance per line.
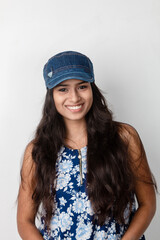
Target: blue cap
(67,65)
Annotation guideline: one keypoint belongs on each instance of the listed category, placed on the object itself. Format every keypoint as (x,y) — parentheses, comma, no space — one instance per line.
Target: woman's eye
(83,86)
(63,89)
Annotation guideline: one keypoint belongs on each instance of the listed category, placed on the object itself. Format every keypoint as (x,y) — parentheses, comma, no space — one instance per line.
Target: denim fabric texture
(67,65)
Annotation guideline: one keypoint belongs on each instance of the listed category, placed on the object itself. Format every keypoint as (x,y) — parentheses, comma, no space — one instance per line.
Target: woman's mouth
(75,107)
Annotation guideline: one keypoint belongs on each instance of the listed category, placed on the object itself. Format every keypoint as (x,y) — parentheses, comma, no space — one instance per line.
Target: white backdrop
(122,38)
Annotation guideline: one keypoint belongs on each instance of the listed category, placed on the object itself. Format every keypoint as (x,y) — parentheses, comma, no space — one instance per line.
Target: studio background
(121,37)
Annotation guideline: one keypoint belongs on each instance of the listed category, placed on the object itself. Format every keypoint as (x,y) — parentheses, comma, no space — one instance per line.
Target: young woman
(83,171)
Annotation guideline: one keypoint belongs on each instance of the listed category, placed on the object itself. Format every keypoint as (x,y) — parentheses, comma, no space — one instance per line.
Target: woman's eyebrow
(61,85)
(82,82)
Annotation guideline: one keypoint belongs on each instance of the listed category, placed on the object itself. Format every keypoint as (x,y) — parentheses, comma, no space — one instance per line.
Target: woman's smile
(75,108)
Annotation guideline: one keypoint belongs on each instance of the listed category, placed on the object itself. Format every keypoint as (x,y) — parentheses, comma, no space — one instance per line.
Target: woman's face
(73,99)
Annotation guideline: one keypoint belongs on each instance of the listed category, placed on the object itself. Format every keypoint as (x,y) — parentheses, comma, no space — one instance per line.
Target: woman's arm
(25,212)
(144,190)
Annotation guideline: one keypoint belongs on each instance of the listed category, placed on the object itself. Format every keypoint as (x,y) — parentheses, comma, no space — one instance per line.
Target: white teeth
(75,107)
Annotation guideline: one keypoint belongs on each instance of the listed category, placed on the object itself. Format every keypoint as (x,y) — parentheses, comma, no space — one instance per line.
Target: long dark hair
(110,179)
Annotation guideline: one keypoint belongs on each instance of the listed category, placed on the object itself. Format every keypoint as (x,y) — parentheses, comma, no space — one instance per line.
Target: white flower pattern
(73,215)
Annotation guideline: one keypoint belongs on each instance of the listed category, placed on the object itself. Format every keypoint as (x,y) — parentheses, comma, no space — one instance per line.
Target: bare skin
(25,212)
(77,138)
(145,193)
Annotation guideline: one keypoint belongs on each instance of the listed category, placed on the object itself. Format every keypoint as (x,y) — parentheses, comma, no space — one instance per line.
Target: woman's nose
(74,95)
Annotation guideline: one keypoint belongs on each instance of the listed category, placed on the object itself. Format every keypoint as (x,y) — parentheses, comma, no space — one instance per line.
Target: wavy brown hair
(110,179)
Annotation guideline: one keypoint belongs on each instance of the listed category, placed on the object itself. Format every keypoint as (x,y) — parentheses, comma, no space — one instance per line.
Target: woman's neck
(76,134)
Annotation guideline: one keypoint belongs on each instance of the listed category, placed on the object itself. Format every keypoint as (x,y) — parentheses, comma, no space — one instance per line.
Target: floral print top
(73,215)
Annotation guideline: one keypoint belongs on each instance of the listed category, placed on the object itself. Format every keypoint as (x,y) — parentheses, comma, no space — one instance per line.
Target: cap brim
(74,75)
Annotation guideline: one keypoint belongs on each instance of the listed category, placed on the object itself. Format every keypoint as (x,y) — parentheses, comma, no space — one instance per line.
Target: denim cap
(67,65)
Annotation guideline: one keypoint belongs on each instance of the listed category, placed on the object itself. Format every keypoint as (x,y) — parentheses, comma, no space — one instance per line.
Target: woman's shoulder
(126,130)
(28,164)
(129,134)
(133,141)
(28,152)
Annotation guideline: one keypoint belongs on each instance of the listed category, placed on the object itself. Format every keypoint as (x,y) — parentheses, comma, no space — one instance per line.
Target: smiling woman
(73,99)
(83,171)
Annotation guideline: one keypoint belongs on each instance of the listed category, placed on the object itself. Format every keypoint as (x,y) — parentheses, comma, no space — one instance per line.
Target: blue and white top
(73,215)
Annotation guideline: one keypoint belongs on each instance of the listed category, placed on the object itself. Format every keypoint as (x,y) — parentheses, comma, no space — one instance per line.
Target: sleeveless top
(73,213)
